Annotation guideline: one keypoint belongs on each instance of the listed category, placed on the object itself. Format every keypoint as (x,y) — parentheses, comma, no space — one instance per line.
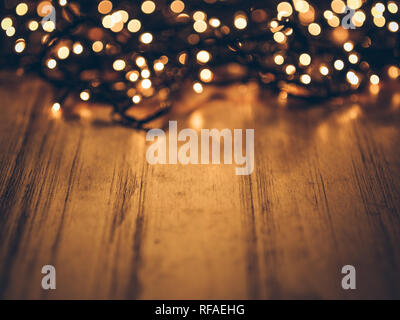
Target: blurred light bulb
(352,78)
(134,25)
(148,7)
(119,65)
(140,61)
(136,99)
(51,63)
(290,69)
(158,66)
(78,48)
(177,6)
(348,46)
(374,79)
(339,65)
(56,107)
(240,22)
(19,45)
(146,84)
(206,75)
(198,87)
(146,38)
(305,78)
(203,56)
(324,70)
(21,9)
(33,25)
(279,59)
(85,95)
(63,52)
(305,59)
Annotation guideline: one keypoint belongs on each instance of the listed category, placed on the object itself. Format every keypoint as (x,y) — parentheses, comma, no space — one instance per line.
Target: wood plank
(79,194)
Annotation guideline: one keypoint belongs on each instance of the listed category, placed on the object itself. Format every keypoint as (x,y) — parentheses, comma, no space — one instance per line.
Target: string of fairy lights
(125,53)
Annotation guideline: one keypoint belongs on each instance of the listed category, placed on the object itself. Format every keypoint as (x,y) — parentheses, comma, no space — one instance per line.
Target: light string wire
(126,53)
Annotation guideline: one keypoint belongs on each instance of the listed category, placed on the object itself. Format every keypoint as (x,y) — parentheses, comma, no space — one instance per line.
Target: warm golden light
(146,84)
(352,78)
(284,9)
(374,79)
(354,4)
(338,6)
(177,6)
(85,95)
(140,61)
(56,107)
(305,78)
(158,66)
(305,59)
(200,26)
(290,69)
(279,59)
(393,26)
(214,22)
(63,52)
(10,31)
(348,46)
(136,99)
(146,38)
(19,45)
(182,58)
(21,9)
(107,22)
(133,76)
(301,6)
(51,63)
(145,73)
(97,46)
(198,87)
(339,65)
(324,70)
(105,7)
(78,48)
(334,22)
(379,21)
(199,15)
(392,7)
(6,23)
(203,56)
(134,25)
(33,25)
(48,26)
(240,22)
(124,15)
(353,58)
(358,18)
(119,65)
(380,7)
(148,7)
(314,29)
(206,75)
(279,37)
(393,72)
(328,14)
(318,64)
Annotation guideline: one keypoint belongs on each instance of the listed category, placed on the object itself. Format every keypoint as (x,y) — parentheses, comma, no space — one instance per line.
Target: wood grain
(79,195)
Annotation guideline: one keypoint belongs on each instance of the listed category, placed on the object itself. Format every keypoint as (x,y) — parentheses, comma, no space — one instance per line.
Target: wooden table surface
(78,194)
